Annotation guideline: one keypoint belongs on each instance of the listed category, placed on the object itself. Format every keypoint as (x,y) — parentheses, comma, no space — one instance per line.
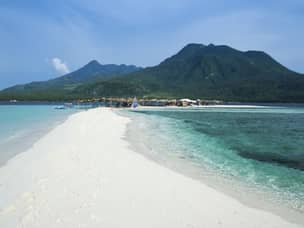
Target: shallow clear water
(21,125)
(262,147)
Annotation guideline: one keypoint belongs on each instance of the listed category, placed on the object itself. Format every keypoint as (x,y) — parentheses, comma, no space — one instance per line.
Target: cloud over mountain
(60,66)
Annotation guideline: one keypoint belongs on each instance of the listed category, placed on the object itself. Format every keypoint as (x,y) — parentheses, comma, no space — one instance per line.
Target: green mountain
(196,71)
(60,87)
(208,72)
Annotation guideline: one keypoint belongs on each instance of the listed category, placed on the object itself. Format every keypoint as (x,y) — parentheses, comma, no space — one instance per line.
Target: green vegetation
(61,88)
(197,71)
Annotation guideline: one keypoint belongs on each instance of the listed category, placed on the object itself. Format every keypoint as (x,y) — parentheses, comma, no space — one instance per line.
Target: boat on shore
(134,103)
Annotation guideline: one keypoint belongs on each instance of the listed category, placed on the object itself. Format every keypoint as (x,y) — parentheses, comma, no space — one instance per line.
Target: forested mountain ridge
(210,72)
(196,71)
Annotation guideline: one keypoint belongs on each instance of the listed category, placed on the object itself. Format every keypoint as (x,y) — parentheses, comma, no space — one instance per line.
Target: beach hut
(187,102)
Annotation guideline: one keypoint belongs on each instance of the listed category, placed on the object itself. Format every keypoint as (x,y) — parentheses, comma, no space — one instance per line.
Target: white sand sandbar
(83,174)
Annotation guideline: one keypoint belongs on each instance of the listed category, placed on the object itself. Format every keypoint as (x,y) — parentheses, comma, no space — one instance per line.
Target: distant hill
(95,70)
(58,88)
(210,72)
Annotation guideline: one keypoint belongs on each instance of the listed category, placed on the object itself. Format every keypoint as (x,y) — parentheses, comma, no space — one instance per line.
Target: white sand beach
(84,174)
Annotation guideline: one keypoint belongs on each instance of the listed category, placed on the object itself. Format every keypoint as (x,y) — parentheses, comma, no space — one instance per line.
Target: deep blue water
(262,147)
(21,125)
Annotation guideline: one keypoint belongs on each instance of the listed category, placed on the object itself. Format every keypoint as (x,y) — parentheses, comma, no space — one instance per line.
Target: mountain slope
(59,88)
(95,70)
(196,71)
(210,72)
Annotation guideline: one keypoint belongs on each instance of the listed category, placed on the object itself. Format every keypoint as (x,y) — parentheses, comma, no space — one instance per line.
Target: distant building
(187,102)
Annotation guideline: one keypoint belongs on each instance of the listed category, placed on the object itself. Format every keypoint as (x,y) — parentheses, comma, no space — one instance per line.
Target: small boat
(134,103)
(68,105)
(59,107)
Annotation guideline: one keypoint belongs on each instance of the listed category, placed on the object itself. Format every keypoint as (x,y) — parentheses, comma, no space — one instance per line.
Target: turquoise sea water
(22,125)
(260,147)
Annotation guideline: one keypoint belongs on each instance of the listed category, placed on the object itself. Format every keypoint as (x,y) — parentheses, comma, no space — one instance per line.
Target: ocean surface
(22,125)
(260,149)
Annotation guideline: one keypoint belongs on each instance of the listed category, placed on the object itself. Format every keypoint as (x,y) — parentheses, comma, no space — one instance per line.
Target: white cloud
(60,66)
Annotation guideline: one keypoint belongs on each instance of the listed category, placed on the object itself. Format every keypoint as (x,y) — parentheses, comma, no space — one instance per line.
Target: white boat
(68,105)
(59,107)
(134,103)
(65,106)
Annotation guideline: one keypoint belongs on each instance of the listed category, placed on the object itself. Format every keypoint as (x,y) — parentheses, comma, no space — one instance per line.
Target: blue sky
(45,39)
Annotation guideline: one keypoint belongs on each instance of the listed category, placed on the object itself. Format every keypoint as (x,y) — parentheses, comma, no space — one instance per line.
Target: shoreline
(83,172)
(29,139)
(245,194)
